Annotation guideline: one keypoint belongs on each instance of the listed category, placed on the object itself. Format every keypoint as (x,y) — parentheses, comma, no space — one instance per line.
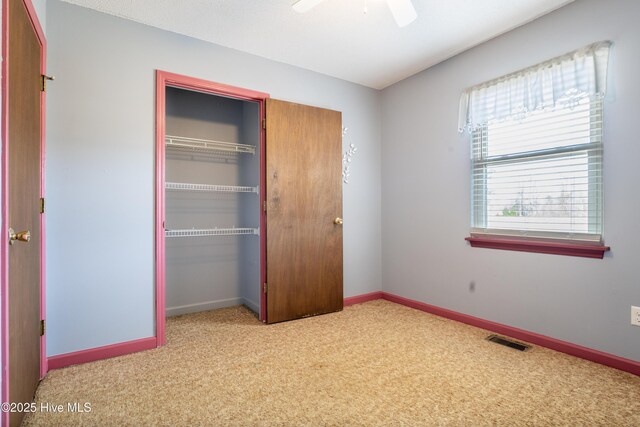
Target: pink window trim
(539,246)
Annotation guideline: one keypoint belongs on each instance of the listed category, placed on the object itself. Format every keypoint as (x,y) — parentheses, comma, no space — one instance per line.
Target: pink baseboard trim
(597,356)
(99,353)
(362,298)
(627,365)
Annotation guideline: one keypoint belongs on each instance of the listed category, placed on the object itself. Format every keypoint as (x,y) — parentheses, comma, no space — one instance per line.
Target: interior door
(304,210)
(24,206)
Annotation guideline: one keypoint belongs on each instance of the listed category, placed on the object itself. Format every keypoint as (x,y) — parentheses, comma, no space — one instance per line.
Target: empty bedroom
(319,213)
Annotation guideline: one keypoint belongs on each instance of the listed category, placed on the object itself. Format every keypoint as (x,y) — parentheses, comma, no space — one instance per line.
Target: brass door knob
(338,221)
(22,236)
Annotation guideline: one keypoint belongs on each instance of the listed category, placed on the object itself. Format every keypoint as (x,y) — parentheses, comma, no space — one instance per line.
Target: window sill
(556,248)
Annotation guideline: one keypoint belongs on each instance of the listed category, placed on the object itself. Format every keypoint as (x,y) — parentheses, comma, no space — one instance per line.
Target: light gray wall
(41,10)
(100,167)
(425,192)
(249,267)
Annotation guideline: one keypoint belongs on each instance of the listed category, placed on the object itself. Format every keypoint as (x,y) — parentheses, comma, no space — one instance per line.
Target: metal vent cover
(508,342)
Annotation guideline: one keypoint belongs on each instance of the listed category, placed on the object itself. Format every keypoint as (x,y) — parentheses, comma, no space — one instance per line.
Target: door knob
(338,221)
(22,236)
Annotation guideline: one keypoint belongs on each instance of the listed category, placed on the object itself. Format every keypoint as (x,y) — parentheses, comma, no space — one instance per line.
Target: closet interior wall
(208,272)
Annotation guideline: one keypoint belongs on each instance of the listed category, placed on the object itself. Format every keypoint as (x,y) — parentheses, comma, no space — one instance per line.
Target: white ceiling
(336,38)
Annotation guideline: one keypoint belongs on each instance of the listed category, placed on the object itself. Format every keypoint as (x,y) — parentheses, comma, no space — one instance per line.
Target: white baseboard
(205,306)
(251,305)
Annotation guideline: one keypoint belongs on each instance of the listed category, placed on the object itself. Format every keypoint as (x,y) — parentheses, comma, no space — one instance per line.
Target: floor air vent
(508,343)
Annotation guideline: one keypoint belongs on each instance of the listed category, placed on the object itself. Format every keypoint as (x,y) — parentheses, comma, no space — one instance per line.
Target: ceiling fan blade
(302,6)
(402,10)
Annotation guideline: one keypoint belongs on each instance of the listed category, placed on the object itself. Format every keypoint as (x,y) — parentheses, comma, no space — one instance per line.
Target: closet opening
(210,157)
(216,184)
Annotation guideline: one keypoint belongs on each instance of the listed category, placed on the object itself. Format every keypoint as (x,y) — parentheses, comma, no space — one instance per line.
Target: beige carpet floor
(373,364)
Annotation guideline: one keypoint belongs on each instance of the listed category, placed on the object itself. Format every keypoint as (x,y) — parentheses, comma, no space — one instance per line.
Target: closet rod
(211,232)
(182,143)
(186,186)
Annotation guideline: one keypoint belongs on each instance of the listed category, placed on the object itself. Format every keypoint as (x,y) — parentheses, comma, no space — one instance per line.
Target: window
(536,153)
(540,176)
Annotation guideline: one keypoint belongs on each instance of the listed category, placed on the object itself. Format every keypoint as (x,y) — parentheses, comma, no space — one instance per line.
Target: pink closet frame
(163,80)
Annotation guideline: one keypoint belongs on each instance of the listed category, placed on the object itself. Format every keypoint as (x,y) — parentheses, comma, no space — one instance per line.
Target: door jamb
(165,79)
(4,199)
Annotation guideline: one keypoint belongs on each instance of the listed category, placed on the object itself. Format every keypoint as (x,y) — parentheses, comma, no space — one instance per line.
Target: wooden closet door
(304,210)
(24,206)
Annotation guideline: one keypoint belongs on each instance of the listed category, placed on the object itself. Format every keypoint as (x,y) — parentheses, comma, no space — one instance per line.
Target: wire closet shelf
(211,232)
(205,146)
(185,186)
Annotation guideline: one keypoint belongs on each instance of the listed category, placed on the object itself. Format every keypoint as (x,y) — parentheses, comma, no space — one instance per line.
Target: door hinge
(264,123)
(43,327)
(43,81)
(41,205)
(264,206)
(264,287)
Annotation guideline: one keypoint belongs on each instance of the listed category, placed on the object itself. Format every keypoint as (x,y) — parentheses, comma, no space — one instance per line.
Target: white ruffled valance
(558,82)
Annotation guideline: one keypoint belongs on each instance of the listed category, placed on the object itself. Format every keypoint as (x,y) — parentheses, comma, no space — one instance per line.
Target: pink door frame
(4,201)
(163,80)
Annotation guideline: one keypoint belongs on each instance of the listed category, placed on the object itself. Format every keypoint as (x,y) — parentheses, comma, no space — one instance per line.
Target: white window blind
(537,155)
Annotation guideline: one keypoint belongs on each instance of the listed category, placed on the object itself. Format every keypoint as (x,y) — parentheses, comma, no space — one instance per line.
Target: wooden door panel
(304,196)
(24,207)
